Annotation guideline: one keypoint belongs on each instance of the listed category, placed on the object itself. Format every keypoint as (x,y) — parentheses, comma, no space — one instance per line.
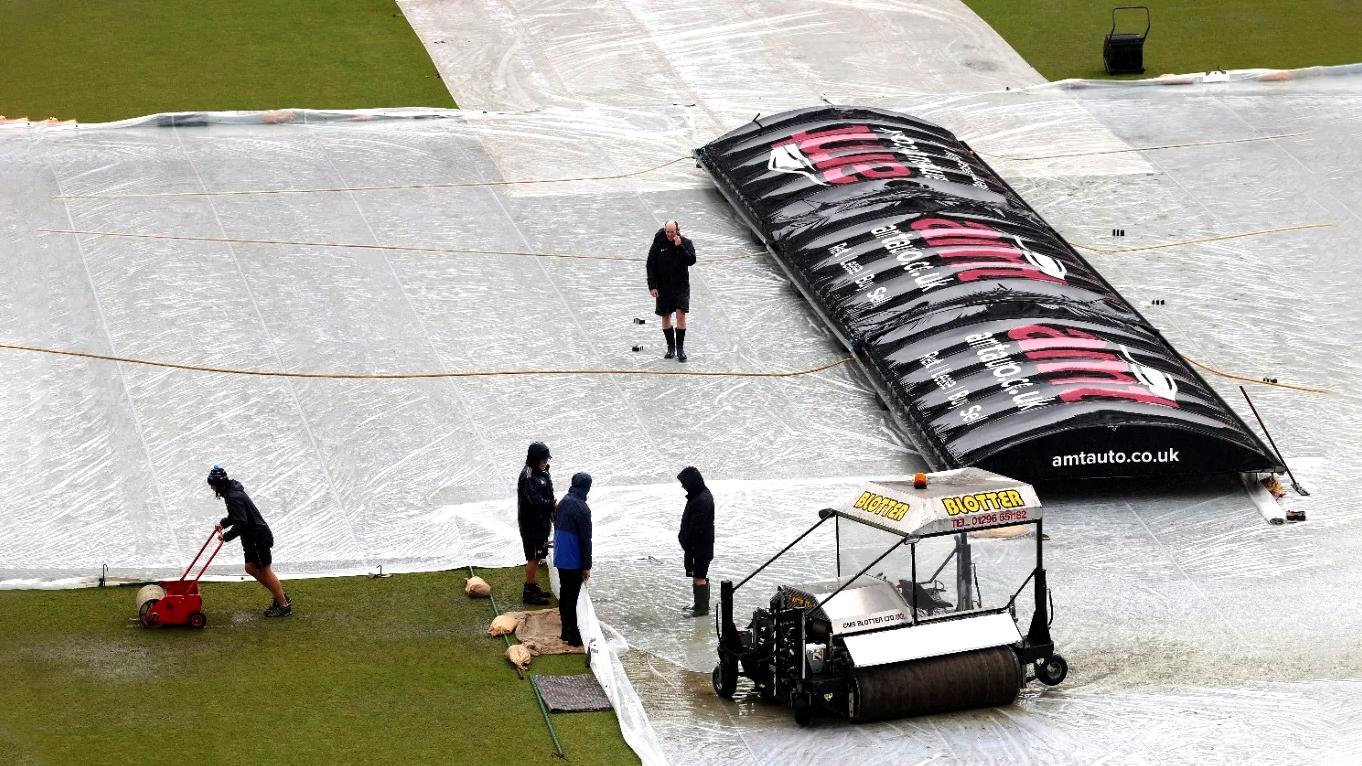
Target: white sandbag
(476,587)
(519,655)
(505,623)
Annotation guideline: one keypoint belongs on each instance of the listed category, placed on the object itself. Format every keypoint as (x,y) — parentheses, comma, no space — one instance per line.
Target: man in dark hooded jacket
(244,520)
(669,262)
(697,537)
(534,493)
(572,553)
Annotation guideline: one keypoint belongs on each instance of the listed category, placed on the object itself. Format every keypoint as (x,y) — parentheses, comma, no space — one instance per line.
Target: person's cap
(218,475)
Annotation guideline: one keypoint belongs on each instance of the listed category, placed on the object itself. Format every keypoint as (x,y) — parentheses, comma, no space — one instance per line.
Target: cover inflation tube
(996,343)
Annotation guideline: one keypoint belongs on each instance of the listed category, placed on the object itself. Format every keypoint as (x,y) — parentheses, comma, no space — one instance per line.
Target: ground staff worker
(244,520)
(534,516)
(572,553)
(697,537)
(669,262)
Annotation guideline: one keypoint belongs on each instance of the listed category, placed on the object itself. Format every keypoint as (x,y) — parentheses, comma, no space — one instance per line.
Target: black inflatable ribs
(996,344)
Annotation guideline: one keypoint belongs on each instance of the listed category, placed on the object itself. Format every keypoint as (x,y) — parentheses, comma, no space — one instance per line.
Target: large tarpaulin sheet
(1190,625)
(1000,345)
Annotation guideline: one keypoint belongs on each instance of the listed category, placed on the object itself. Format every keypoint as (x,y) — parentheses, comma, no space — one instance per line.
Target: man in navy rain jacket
(572,553)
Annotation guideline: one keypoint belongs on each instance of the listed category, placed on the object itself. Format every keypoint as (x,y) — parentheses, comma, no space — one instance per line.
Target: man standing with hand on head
(669,262)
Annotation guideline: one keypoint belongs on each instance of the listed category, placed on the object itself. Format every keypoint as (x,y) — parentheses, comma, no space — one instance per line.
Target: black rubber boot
(670,335)
(680,344)
(701,606)
(532,595)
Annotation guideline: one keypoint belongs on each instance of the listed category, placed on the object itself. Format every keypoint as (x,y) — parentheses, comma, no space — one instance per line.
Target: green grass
(394,671)
(1063,38)
(98,60)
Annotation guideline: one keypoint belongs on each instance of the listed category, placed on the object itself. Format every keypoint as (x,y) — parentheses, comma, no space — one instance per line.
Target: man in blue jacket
(572,553)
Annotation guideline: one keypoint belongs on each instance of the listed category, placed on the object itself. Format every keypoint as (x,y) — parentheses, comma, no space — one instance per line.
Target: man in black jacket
(669,262)
(697,537)
(535,517)
(244,520)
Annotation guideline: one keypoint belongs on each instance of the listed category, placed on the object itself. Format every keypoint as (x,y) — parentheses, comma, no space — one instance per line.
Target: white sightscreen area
(1195,632)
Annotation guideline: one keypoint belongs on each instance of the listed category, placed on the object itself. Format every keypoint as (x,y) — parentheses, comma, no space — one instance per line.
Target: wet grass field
(396,670)
(98,61)
(1063,38)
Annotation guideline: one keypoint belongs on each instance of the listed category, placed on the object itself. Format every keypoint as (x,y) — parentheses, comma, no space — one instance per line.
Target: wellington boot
(701,606)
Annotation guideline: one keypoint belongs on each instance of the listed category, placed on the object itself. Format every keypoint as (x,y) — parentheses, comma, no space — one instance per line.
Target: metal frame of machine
(873,650)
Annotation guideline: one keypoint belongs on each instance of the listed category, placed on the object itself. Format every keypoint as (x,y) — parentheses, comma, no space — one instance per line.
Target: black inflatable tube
(993,342)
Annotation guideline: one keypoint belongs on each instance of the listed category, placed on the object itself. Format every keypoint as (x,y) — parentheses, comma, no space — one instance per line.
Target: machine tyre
(803,710)
(197,620)
(724,684)
(1052,671)
(144,614)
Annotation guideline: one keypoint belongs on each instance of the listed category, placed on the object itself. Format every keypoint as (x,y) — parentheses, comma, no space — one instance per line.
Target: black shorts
(536,549)
(697,568)
(256,550)
(669,303)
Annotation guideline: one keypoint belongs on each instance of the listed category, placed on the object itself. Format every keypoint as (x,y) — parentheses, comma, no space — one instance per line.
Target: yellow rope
(362,246)
(419,375)
(439,185)
(1246,379)
(578,256)
(1142,148)
(514,373)
(1219,238)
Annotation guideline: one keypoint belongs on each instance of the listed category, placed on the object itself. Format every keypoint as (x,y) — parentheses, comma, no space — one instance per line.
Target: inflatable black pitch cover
(995,342)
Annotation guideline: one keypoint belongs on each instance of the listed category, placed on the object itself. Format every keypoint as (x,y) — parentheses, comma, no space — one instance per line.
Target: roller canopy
(952,501)
(994,341)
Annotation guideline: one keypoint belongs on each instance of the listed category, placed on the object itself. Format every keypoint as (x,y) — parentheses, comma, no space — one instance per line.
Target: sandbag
(540,631)
(505,623)
(519,655)
(476,587)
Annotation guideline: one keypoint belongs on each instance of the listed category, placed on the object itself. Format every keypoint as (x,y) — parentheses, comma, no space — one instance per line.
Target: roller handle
(216,532)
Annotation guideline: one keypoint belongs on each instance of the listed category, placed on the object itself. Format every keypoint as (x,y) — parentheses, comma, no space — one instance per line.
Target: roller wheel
(725,684)
(1052,671)
(197,620)
(148,619)
(803,710)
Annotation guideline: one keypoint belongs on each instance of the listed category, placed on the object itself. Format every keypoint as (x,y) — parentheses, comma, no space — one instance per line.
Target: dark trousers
(569,587)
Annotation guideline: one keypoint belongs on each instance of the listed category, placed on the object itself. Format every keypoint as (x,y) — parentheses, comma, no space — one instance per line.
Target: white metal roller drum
(147,595)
